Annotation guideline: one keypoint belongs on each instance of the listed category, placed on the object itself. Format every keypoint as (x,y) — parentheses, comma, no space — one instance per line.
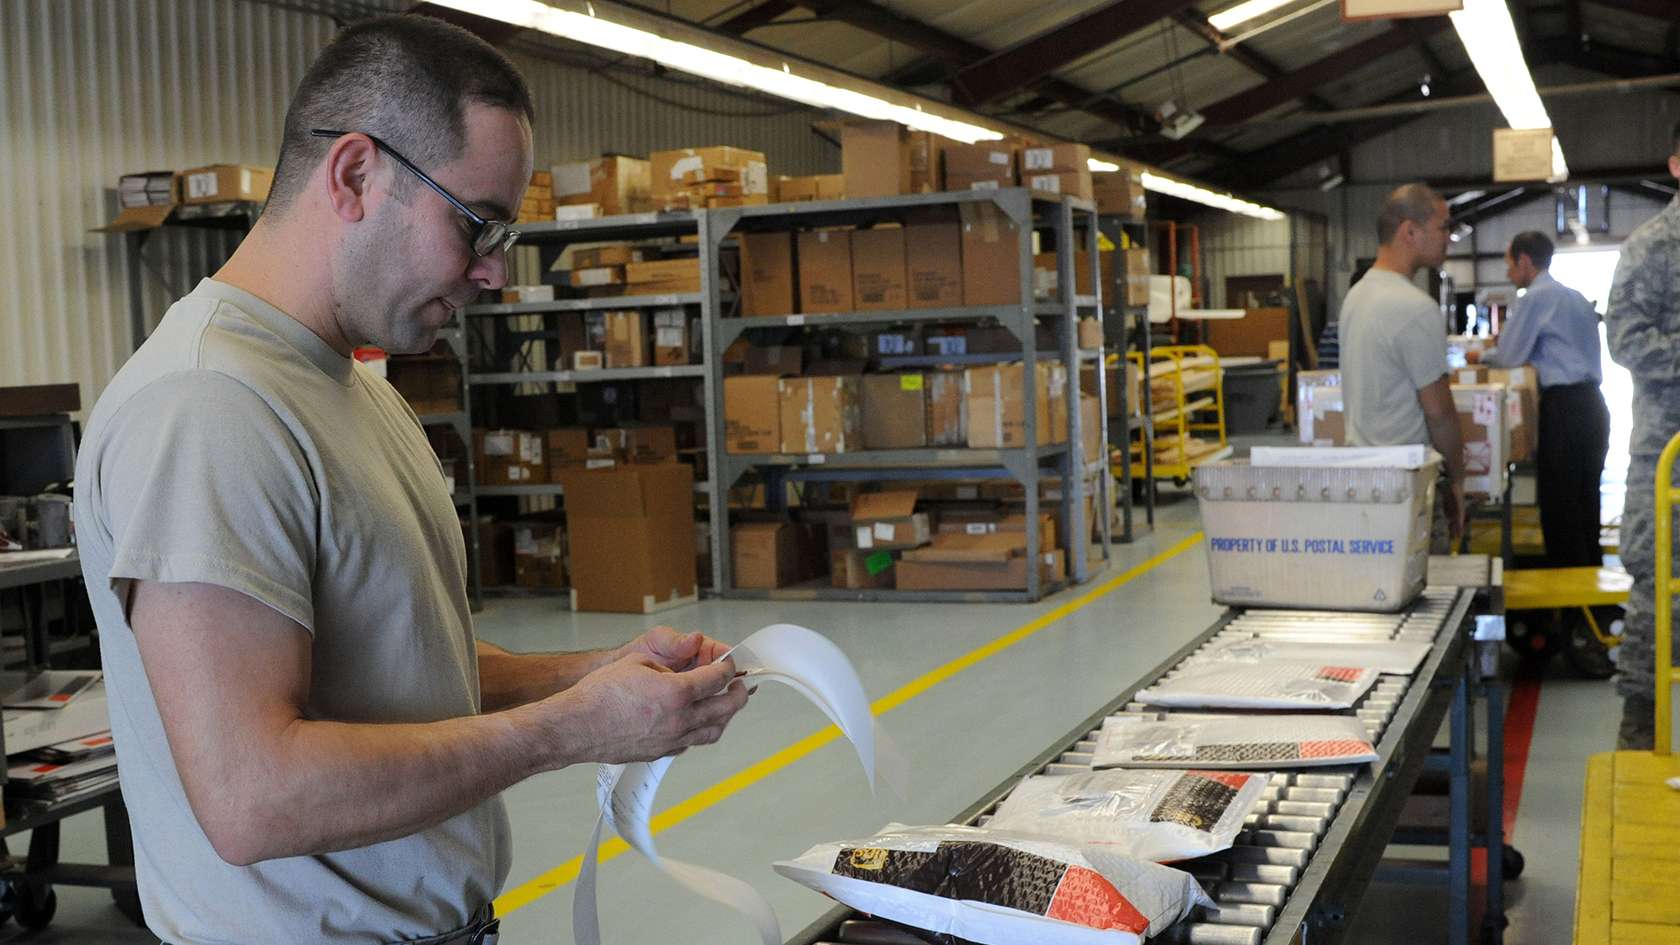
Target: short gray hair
(406,79)
(1414,202)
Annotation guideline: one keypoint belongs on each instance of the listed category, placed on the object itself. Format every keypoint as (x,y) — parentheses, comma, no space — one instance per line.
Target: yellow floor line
(529,892)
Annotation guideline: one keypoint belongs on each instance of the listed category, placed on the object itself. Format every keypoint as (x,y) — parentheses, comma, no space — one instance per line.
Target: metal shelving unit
(1027,465)
(550,239)
(460,421)
(1126,328)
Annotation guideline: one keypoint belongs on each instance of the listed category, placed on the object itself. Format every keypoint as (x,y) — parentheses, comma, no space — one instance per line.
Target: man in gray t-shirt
(310,740)
(1394,344)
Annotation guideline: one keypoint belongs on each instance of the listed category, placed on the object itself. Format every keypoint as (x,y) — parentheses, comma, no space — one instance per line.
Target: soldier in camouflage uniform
(1643,322)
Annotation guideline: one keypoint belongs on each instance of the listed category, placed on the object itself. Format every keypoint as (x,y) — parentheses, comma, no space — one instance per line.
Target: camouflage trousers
(1636,662)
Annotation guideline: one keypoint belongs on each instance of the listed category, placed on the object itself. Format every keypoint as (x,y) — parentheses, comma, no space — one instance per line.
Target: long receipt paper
(796,657)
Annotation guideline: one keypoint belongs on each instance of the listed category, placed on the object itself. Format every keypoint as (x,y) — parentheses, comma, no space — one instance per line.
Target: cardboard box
(664,276)
(859,570)
(874,159)
(1056,159)
(991,256)
(767,274)
(674,171)
(752,413)
(820,414)
(995,397)
(1482,416)
(776,360)
(966,164)
(509,457)
(431,383)
(596,276)
(764,554)
(220,183)
(927,161)
(565,448)
(1090,429)
(814,187)
(632,537)
(671,339)
(1251,335)
(1318,408)
(1117,377)
(825,271)
(588,360)
(894,412)
(1523,409)
(1120,192)
(878,269)
(1068,184)
(619,254)
(627,339)
(539,554)
(979,575)
(947,408)
(934,265)
(1090,333)
(888,521)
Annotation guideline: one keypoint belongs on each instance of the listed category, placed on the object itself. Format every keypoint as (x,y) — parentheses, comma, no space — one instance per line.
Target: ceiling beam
(1605,60)
(1246,56)
(1303,81)
(1296,152)
(1665,10)
(1021,64)
(761,15)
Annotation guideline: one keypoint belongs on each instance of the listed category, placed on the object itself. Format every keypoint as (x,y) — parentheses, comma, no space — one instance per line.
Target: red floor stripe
(1520,710)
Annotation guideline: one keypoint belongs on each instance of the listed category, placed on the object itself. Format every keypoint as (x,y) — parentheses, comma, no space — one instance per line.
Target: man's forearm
(1447,440)
(511,679)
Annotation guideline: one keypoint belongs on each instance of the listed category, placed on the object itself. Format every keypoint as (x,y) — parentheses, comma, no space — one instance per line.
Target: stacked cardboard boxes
(879,280)
(824,262)
(767,274)
(995,404)
(221,183)
(632,537)
(987,165)
(603,187)
(538,204)
(820,414)
(509,457)
(680,276)
(807,189)
(1120,192)
(539,554)
(1063,169)
(709,178)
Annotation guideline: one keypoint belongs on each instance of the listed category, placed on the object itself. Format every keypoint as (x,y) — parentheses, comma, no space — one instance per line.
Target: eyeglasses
(487,236)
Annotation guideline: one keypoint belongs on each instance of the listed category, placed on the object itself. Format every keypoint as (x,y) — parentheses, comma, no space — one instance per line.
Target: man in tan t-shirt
(311,742)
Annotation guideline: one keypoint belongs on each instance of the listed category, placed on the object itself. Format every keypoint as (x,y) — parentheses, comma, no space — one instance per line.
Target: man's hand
(675,651)
(638,709)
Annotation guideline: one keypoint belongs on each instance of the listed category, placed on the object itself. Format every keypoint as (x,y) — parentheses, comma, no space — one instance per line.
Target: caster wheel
(1511,862)
(1531,637)
(35,911)
(1583,651)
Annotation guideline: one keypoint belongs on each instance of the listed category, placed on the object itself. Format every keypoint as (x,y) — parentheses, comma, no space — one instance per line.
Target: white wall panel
(93,89)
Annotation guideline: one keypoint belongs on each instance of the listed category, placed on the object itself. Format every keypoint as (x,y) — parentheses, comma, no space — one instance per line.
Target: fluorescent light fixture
(593,30)
(1098,165)
(1243,12)
(1208,198)
(1485,28)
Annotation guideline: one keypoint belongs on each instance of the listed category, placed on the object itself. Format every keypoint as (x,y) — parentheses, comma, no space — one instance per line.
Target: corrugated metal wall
(1235,245)
(98,88)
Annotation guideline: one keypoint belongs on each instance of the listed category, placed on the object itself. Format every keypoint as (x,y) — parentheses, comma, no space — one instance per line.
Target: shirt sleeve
(1421,347)
(203,482)
(1516,342)
(1634,322)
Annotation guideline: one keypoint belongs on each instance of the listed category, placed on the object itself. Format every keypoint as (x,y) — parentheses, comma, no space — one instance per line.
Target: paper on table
(801,659)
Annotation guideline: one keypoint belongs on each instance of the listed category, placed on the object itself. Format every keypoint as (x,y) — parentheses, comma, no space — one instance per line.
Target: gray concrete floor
(963,736)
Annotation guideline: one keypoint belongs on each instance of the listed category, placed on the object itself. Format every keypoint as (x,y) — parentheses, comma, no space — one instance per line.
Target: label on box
(794,321)
(816,459)
(877,562)
(755,178)
(668,337)
(979,528)
(998,157)
(983,185)
(909,382)
(864,538)
(1037,159)
(884,531)
(245,180)
(518,473)
(449,483)
(524,541)
(599,463)
(968,492)
(201,185)
(498,444)
(1484,410)
(1051,183)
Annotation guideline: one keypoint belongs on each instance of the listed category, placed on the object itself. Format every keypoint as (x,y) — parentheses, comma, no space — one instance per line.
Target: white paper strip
(806,662)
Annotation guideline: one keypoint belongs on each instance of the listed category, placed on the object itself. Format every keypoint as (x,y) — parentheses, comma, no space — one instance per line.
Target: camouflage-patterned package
(1269,742)
(999,888)
(1159,816)
(1275,684)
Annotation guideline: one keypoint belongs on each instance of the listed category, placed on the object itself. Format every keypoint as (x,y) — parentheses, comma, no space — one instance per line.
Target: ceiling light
(1099,166)
(1243,12)
(717,66)
(1208,198)
(1485,28)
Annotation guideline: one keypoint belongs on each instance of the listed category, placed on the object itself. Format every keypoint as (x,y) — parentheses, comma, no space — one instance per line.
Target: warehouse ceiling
(1098,71)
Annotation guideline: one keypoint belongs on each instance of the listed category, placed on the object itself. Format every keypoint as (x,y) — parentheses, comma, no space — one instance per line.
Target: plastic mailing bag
(1384,657)
(1271,685)
(1268,742)
(998,889)
(1160,816)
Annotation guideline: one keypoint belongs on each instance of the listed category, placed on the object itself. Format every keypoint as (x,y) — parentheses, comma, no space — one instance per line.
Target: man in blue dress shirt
(1555,329)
